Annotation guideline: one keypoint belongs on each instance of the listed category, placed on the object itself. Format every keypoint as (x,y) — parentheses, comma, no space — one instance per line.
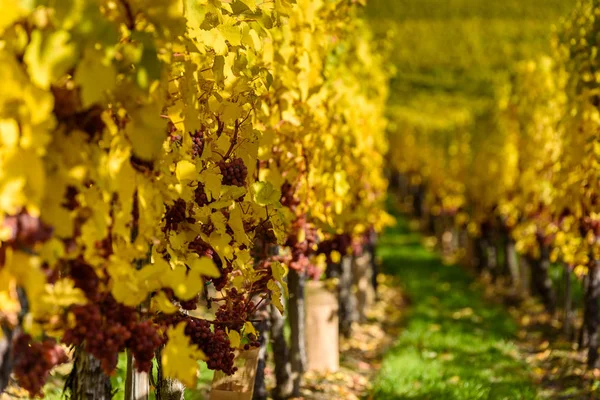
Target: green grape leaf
(265,194)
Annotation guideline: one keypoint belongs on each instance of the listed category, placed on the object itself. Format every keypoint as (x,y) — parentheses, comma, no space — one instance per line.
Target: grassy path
(454,345)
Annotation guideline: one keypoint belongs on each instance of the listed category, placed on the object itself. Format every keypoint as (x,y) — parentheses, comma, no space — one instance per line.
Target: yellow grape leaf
(8,293)
(227,7)
(52,250)
(243,257)
(212,181)
(185,171)
(9,132)
(175,114)
(168,14)
(63,294)
(12,11)
(186,286)
(218,69)
(125,291)
(212,38)
(218,220)
(147,132)
(125,286)
(238,282)
(231,31)
(49,56)
(151,274)
(160,302)
(94,77)
(251,4)
(279,271)
(180,357)
(27,270)
(232,193)
(221,245)
(234,339)
(23,181)
(252,40)
(231,111)
(335,256)
(222,144)
(278,221)
(301,235)
(205,267)
(276,295)
(249,328)
(272,175)
(236,223)
(178,240)
(265,194)
(195,11)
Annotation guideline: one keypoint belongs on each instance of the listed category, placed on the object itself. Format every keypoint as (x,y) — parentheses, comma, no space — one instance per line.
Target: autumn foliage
(153,153)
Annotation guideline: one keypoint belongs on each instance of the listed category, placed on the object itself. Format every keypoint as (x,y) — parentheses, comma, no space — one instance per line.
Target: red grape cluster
(34,360)
(200,195)
(197,143)
(176,214)
(215,345)
(175,138)
(105,328)
(144,341)
(234,312)
(103,339)
(189,305)
(234,172)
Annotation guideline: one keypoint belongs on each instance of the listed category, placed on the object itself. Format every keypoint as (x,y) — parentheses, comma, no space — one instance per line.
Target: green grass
(455,345)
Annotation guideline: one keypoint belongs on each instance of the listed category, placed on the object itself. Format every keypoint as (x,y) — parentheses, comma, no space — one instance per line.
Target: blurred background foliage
(450,55)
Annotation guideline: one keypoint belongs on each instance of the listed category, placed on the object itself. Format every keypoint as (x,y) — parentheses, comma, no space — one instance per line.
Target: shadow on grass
(455,345)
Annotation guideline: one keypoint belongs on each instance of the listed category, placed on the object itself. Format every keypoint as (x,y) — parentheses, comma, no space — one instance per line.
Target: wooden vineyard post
(88,381)
(362,274)
(239,386)
(6,357)
(137,384)
(322,328)
(283,372)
